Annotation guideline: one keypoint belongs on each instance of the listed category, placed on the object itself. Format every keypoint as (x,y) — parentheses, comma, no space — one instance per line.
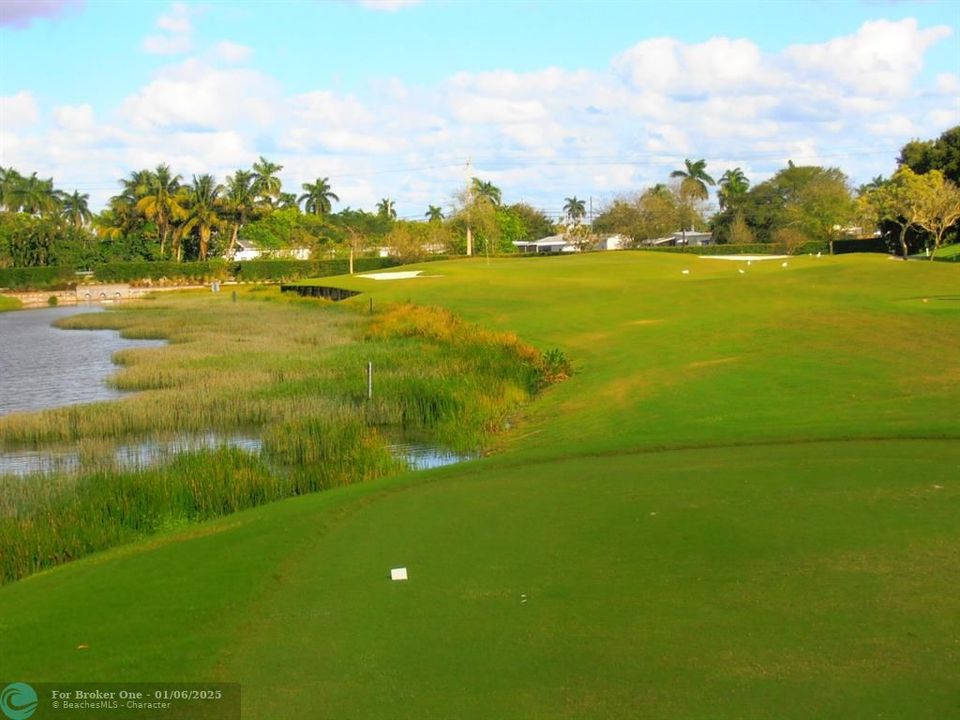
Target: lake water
(42,366)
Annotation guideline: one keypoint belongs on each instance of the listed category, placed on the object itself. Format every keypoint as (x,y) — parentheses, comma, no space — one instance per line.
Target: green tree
(317,197)
(76,209)
(434,214)
(575,209)
(32,195)
(162,202)
(386,209)
(900,202)
(204,211)
(939,207)
(239,203)
(733,186)
(535,222)
(267,186)
(693,190)
(486,190)
(942,154)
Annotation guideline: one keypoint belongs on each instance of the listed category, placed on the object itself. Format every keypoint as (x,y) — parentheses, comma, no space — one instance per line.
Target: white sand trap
(404,275)
(742,257)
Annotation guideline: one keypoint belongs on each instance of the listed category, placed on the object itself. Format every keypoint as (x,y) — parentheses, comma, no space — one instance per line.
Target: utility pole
(469,203)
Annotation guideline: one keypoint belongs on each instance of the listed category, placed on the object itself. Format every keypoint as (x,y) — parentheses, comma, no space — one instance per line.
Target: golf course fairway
(745,503)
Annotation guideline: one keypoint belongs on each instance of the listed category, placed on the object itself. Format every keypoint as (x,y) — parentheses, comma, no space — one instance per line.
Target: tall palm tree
(733,185)
(317,197)
(162,202)
(266,183)
(434,214)
(385,209)
(204,210)
(239,203)
(9,179)
(287,200)
(575,209)
(693,186)
(694,179)
(32,195)
(486,189)
(76,209)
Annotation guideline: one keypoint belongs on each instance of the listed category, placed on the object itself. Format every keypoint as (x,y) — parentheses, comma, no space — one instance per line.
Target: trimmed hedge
(751,249)
(284,270)
(56,277)
(196,272)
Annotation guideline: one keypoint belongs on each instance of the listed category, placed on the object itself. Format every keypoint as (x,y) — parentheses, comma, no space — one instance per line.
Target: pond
(43,367)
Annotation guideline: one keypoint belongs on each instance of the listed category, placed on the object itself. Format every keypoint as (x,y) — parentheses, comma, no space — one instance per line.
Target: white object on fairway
(685,272)
(398,573)
(742,271)
(783,265)
(818,254)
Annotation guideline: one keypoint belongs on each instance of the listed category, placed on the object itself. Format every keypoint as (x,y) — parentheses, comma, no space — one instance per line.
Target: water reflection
(132,456)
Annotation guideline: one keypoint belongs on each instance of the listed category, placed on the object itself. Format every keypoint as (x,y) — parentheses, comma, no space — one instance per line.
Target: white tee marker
(398,573)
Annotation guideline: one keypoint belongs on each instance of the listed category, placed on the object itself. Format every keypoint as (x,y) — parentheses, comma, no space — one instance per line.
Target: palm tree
(575,209)
(693,186)
(434,214)
(733,185)
(204,211)
(287,200)
(9,179)
(386,210)
(266,183)
(162,202)
(31,195)
(695,179)
(239,203)
(875,184)
(76,209)
(487,190)
(318,196)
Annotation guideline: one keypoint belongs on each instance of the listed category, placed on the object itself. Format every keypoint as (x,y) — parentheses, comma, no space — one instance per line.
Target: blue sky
(547,99)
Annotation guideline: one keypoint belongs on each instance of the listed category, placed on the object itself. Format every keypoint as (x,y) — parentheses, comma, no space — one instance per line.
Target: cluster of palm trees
(38,197)
(203,208)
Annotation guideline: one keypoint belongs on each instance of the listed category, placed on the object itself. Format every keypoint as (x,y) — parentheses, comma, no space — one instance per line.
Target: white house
(545,246)
(681,237)
(613,242)
(247,250)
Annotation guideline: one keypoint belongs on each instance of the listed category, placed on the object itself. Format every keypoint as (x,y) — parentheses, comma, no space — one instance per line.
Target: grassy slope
(9,303)
(788,579)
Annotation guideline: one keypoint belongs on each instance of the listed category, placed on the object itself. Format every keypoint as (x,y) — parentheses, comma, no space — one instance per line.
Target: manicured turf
(9,303)
(745,504)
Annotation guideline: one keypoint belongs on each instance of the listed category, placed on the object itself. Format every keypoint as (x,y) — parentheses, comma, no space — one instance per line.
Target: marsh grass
(289,370)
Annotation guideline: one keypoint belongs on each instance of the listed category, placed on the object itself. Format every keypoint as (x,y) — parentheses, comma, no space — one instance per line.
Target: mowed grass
(9,303)
(745,503)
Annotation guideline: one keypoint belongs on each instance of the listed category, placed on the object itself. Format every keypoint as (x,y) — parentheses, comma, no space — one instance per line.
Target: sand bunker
(404,275)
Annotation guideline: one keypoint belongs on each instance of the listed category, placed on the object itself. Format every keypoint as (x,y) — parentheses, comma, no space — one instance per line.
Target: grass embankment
(729,511)
(9,303)
(288,371)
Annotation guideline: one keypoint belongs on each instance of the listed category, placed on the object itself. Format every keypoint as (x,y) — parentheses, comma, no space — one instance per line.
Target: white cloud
(74,117)
(542,135)
(882,58)
(201,97)
(232,52)
(176,36)
(17,111)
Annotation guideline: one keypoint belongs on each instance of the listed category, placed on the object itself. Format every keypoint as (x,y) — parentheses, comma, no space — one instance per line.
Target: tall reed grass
(292,371)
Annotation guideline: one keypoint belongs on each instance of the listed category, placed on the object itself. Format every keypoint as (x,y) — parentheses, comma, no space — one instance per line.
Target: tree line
(157,215)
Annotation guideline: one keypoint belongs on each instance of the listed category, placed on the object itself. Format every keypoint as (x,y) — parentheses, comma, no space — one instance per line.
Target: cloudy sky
(392,98)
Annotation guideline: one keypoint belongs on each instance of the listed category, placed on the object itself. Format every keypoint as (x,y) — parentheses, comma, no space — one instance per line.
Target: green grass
(9,303)
(290,371)
(743,504)
(948,253)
